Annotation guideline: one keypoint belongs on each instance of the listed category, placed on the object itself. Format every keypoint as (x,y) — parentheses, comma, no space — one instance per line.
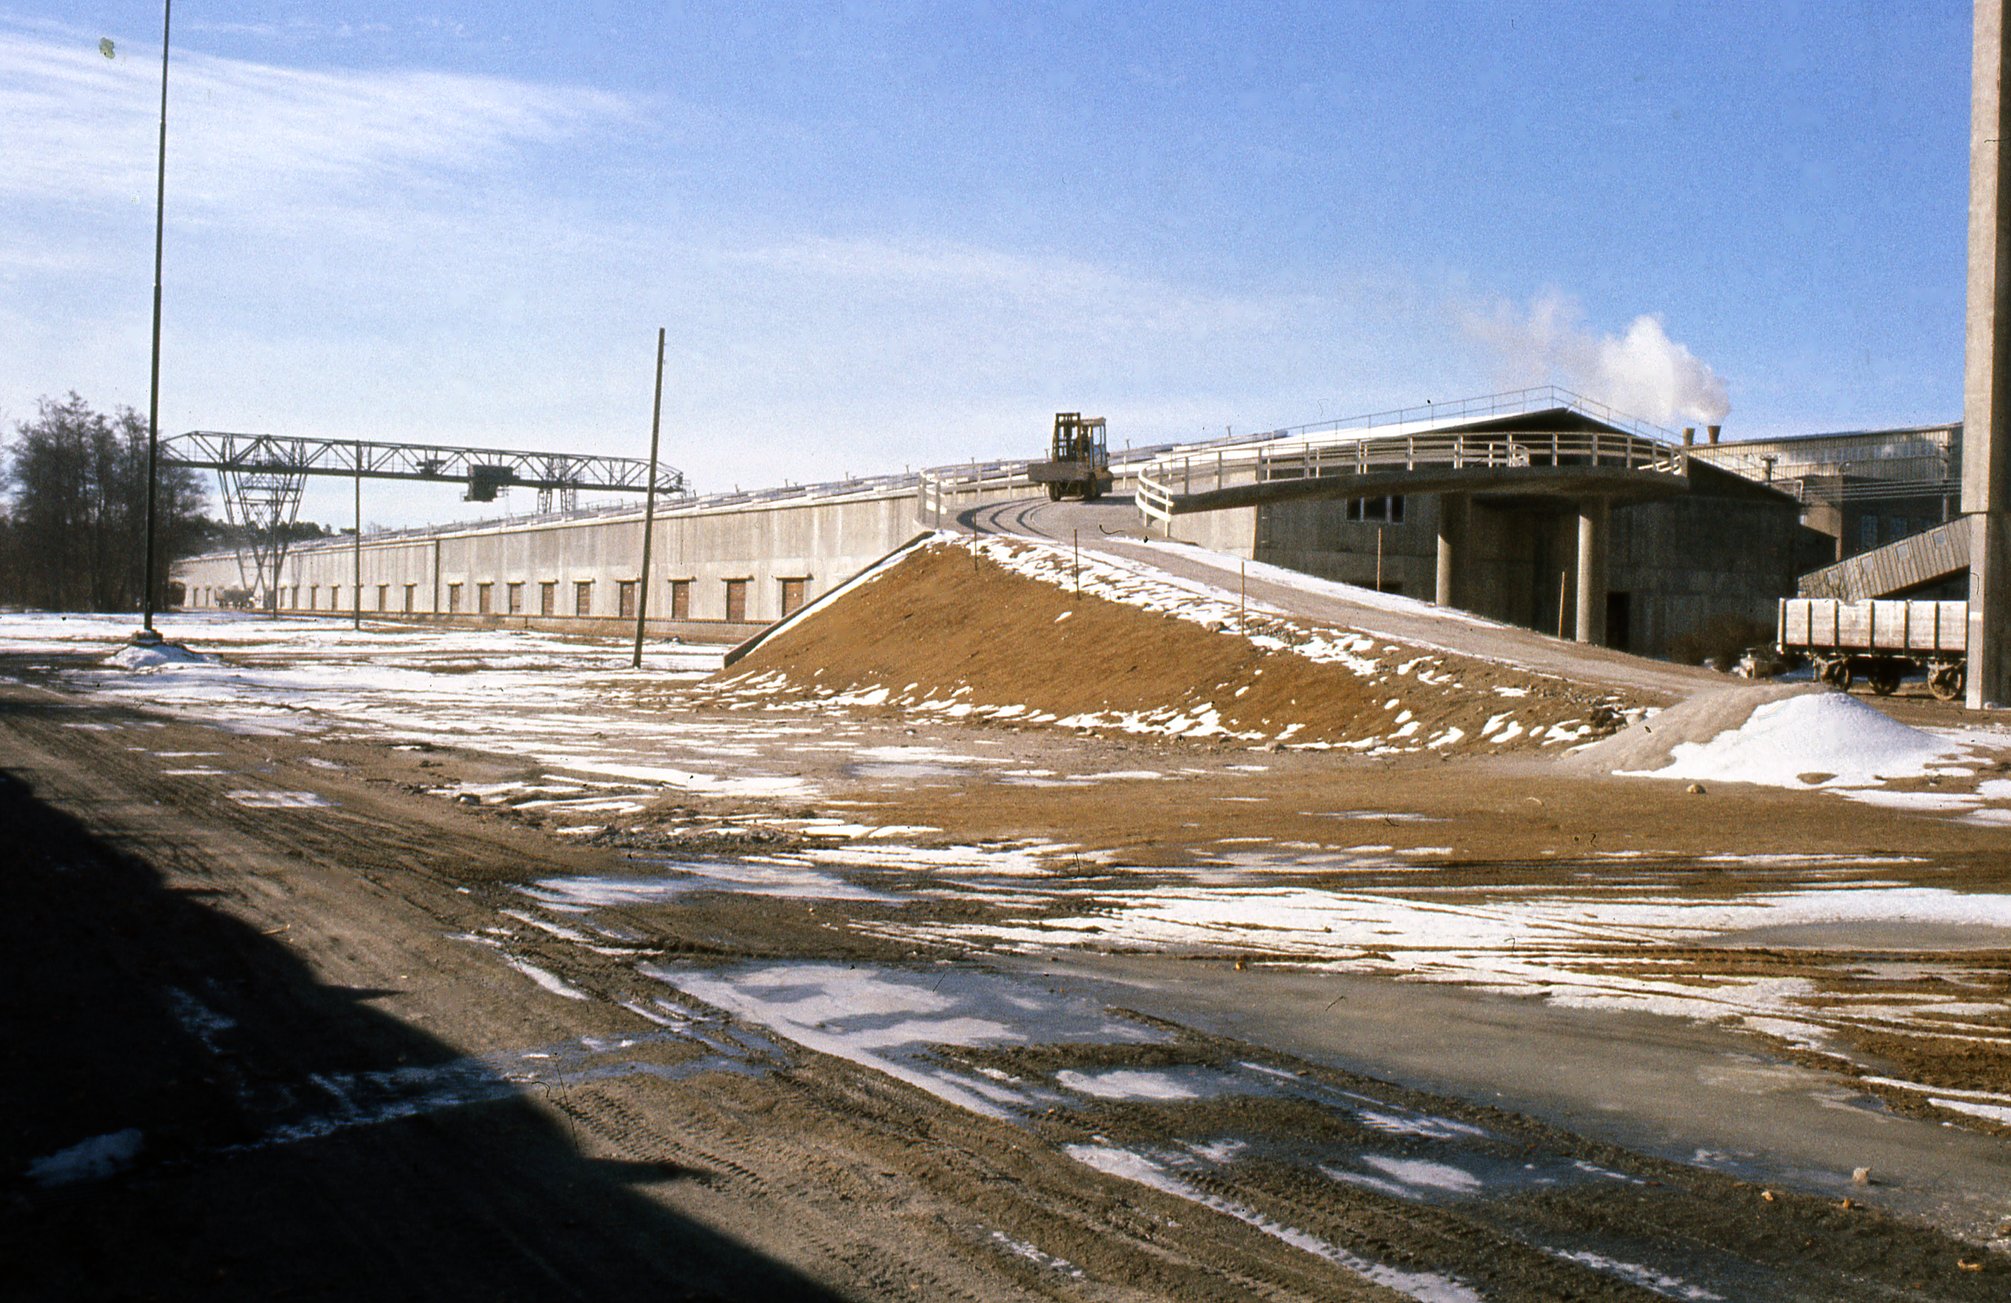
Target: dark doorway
(1619,614)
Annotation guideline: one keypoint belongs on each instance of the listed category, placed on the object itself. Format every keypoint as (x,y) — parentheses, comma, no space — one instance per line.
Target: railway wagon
(1878,641)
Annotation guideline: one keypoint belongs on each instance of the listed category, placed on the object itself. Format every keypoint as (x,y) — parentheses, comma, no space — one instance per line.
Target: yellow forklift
(1078,464)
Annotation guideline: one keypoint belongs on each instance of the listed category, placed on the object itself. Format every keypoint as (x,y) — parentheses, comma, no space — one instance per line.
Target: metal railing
(1510,402)
(1169,478)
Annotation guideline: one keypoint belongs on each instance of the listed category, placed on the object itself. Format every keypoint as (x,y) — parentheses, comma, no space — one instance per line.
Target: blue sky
(904,235)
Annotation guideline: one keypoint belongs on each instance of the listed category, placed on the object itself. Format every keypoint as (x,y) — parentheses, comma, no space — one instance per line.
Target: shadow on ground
(233,1145)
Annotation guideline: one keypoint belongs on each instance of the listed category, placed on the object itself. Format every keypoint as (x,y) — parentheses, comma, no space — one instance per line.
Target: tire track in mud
(797,1149)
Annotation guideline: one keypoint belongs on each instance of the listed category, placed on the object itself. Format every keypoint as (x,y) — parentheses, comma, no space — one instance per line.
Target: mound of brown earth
(996,630)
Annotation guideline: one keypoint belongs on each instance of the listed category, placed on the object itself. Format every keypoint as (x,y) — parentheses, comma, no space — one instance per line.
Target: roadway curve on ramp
(1112,528)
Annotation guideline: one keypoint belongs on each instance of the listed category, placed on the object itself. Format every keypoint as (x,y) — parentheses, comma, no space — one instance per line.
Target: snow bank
(144,656)
(88,1160)
(1824,739)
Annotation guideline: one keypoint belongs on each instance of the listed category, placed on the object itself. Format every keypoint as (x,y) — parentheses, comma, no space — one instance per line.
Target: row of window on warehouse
(548,595)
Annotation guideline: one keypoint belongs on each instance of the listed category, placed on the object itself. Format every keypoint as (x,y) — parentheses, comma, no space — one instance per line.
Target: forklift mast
(1076,439)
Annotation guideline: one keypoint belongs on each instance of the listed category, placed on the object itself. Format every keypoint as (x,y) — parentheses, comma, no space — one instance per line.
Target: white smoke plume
(1643,373)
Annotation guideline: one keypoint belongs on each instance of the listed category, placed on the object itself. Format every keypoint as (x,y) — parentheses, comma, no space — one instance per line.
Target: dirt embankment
(949,631)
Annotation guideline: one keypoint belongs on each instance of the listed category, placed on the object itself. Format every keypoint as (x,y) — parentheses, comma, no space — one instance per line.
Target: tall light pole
(154,384)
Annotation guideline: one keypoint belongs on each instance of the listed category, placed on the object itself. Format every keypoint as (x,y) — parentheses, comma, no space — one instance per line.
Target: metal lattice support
(263,475)
(262,502)
(485,471)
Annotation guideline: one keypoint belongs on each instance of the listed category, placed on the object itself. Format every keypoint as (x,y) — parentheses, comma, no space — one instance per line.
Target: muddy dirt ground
(338,1013)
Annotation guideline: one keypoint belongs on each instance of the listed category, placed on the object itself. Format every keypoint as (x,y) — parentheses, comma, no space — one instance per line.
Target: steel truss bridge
(262,477)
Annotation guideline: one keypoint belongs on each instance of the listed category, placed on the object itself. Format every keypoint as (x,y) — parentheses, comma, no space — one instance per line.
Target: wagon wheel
(1885,678)
(1945,682)
(1054,493)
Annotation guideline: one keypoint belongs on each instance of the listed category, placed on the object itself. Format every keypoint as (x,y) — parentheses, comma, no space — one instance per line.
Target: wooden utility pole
(649,505)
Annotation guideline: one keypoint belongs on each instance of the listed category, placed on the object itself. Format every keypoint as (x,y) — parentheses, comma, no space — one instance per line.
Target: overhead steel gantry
(263,475)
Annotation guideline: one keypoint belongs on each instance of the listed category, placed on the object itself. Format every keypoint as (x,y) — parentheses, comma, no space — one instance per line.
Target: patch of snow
(1646,1278)
(1811,733)
(139,656)
(257,800)
(88,1160)
(1424,1286)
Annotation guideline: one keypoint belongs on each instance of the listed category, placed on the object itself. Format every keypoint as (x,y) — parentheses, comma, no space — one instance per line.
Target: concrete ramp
(1898,567)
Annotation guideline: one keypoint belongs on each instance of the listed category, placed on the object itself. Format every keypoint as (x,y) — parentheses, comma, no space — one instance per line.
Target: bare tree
(74,536)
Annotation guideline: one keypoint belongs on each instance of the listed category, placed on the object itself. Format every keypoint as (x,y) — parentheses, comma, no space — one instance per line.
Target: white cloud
(1642,372)
(440,258)
(246,139)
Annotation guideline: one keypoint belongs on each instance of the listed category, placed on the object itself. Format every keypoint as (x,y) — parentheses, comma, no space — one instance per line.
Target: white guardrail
(1172,476)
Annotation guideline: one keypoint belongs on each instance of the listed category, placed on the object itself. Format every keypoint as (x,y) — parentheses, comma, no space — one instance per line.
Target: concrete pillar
(1454,512)
(1593,516)
(1986,388)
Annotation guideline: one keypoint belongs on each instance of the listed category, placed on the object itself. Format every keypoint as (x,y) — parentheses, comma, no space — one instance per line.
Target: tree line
(73,523)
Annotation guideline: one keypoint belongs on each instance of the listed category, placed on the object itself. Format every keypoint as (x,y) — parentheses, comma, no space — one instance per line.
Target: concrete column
(1593,516)
(1454,512)
(1986,388)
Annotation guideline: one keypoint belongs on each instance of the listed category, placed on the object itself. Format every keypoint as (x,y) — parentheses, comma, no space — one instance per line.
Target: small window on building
(383,597)
(792,595)
(680,599)
(625,598)
(516,595)
(335,597)
(736,599)
(453,599)
(1382,511)
(411,595)
(1867,533)
(548,597)
(583,597)
(485,598)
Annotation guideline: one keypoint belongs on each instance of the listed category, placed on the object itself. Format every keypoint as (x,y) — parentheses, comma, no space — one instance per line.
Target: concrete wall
(1319,539)
(1727,548)
(1233,531)
(820,543)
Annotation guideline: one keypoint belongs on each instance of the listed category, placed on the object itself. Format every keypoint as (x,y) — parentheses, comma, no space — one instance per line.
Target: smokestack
(1711,433)
(1689,435)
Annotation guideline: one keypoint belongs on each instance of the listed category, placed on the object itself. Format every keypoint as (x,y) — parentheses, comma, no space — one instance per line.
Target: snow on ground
(88,1160)
(542,697)
(1817,739)
(1568,947)
(1299,581)
(1118,580)
(1400,666)
(147,656)
(900,1021)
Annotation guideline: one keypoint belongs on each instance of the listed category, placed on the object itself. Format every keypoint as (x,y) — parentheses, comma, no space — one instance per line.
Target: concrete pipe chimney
(1711,433)
(1689,435)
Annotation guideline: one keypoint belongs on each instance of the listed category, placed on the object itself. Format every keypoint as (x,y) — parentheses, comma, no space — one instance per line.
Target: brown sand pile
(947,631)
